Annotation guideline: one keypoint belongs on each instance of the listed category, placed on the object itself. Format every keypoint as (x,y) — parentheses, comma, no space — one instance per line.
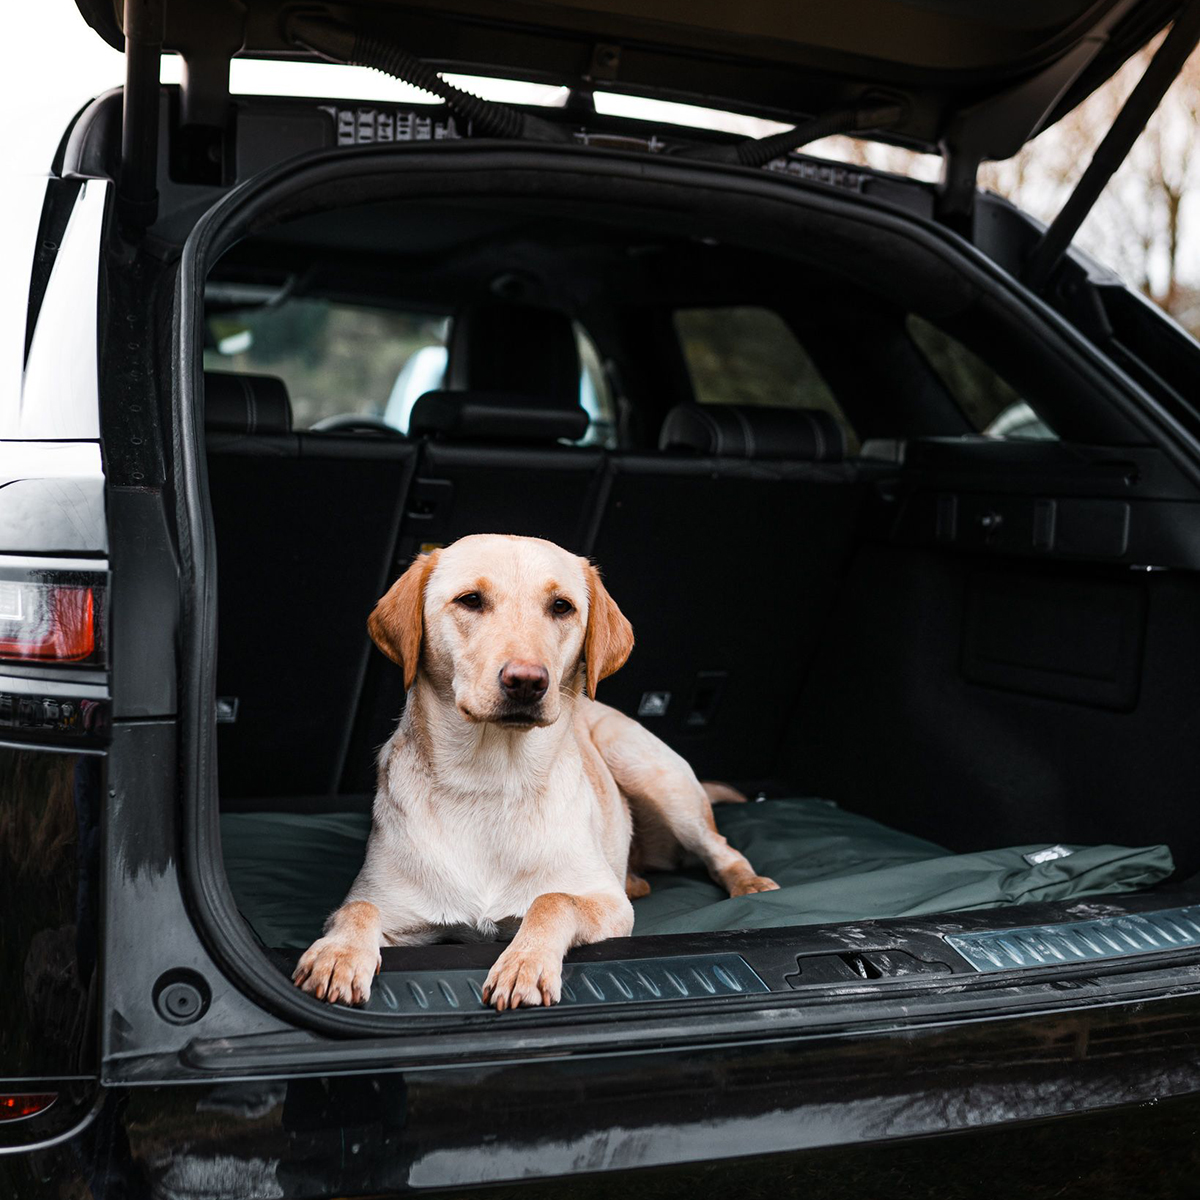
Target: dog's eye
(470,600)
(561,607)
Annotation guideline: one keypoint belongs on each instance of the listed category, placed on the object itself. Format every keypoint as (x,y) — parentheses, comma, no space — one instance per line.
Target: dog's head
(503,627)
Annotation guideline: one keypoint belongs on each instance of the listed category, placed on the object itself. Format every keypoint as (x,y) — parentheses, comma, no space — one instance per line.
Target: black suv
(900,492)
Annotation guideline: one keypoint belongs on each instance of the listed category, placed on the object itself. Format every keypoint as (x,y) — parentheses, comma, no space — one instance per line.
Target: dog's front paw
(753,883)
(523,977)
(337,971)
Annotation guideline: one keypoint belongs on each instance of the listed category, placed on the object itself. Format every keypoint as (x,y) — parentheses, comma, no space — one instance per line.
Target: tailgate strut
(137,190)
(1048,252)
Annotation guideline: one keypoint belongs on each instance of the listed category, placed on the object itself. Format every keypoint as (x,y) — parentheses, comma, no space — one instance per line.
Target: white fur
(484,828)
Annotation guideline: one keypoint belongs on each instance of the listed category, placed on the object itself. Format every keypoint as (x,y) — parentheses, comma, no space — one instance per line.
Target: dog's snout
(524,681)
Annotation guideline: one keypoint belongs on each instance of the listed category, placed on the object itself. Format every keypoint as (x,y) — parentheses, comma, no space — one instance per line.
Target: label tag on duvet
(1048,855)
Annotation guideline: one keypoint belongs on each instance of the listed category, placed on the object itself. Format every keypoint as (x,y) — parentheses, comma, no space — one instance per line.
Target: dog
(510,802)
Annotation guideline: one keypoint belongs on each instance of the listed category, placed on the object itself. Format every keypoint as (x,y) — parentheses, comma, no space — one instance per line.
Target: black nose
(524,681)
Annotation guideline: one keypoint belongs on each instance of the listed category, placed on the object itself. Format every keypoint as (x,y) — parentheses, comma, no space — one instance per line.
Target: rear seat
(491,462)
(724,551)
(306,526)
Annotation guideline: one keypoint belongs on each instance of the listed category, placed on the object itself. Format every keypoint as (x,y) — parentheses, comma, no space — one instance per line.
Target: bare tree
(1143,226)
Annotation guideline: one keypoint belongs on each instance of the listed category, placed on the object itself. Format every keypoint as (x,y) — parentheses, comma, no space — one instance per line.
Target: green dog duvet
(289,871)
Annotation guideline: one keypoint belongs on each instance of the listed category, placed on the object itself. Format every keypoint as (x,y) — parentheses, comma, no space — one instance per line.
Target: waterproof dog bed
(288,871)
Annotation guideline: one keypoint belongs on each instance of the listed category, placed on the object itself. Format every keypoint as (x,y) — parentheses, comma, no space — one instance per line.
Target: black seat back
(306,525)
(517,349)
(491,462)
(493,459)
(726,566)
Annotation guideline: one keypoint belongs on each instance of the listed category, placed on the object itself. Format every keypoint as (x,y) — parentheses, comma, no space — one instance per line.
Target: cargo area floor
(289,869)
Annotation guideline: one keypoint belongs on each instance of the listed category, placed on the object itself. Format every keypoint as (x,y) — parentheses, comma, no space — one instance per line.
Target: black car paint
(855,1104)
(367,1131)
(147,1107)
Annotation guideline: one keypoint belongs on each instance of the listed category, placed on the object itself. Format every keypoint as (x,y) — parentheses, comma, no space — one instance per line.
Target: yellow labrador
(508,802)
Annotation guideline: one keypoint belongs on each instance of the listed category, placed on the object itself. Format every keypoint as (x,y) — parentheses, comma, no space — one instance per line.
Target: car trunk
(953,672)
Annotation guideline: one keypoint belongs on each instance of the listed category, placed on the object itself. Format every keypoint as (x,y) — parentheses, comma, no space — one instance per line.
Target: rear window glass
(991,404)
(749,355)
(335,358)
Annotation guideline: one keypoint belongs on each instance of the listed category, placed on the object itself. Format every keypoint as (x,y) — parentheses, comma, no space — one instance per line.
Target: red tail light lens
(27,1104)
(47,621)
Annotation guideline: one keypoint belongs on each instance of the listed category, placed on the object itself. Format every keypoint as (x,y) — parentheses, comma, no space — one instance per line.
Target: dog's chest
(475,865)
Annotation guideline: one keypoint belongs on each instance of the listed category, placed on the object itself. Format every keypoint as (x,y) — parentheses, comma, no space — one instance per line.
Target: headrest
(751,431)
(496,416)
(246,403)
(514,348)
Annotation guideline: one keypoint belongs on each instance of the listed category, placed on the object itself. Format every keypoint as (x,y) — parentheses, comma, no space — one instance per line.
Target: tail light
(49,621)
(25,1104)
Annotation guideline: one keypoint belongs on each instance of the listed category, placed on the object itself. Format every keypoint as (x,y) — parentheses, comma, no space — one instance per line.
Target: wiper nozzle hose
(339,43)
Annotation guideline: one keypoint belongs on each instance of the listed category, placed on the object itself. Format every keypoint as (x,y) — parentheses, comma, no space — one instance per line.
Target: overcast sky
(53,64)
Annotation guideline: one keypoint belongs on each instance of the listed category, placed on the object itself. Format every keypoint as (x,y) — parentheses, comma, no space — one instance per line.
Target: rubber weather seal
(1080,941)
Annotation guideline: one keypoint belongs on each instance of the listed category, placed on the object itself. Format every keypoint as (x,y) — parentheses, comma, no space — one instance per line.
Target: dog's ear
(397,623)
(609,637)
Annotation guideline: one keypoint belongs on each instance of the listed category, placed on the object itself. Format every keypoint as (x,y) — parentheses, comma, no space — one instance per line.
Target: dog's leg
(342,964)
(529,972)
(679,804)
(660,784)
(729,867)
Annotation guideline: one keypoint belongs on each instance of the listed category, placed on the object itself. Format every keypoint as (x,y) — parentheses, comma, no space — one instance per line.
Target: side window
(992,406)
(335,358)
(595,394)
(749,355)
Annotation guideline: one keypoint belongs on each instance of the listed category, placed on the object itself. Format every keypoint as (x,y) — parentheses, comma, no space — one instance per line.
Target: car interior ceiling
(872,606)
